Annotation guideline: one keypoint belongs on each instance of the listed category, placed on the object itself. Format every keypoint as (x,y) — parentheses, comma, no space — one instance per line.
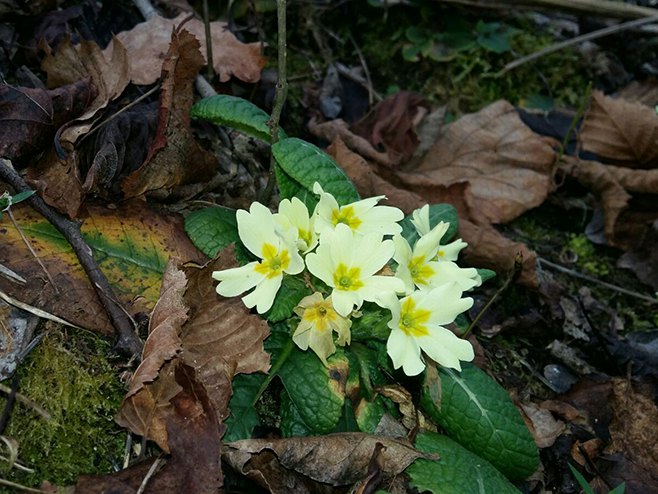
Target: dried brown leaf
(620,131)
(304,464)
(175,157)
(148,42)
(544,428)
(508,167)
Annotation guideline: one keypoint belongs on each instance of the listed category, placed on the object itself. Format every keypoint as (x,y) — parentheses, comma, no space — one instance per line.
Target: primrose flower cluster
(349,248)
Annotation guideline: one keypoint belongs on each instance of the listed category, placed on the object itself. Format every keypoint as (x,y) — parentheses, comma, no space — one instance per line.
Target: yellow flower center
(305,235)
(345,215)
(320,315)
(412,320)
(274,262)
(347,279)
(420,271)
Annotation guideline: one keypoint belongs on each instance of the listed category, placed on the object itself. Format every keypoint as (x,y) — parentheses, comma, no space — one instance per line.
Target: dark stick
(127,341)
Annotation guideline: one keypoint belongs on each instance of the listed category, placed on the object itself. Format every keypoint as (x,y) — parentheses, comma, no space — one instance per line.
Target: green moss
(71,376)
(587,256)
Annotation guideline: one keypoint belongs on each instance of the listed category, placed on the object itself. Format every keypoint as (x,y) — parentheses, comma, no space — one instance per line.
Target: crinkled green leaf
(458,471)
(231,111)
(302,164)
(479,414)
(438,212)
(240,424)
(212,229)
(347,421)
(368,414)
(316,391)
(372,324)
(291,292)
(292,423)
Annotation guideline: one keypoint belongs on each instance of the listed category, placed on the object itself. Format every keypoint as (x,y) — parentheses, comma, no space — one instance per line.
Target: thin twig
(128,341)
(279,96)
(22,488)
(210,73)
(29,246)
(154,468)
(578,39)
(371,91)
(592,279)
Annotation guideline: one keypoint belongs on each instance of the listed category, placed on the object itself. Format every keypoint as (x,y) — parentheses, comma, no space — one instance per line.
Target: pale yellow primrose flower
(347,262)
(294,214)
(417,324)
(258,232)
(418,267)
(319,320)
(361,216)
(420,218)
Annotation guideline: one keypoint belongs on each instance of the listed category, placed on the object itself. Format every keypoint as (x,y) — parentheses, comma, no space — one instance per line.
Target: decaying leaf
(544,428)
(130,243)
(148,42)
(31,116)
(175,157)
(218,339)
(620,131)
(304,464)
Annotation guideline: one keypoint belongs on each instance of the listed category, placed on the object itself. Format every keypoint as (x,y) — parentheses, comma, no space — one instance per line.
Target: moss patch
(72,377)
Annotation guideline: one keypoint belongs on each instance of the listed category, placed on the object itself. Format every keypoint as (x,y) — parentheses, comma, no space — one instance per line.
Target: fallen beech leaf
(620,131)
(175,157)
(303,464)
(643,260)
(148,42)
(31,116)
(508,167)
(130,243)
(390,125)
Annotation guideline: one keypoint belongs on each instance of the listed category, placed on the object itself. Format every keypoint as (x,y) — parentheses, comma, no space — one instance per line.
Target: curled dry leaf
(148,42)
(31,116)
(620,131)
(175,157)
(218,339)
(544,428)
(304,464)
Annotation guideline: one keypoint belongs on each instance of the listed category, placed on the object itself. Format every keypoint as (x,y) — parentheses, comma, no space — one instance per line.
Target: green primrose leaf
(212,229)
(478,413)
(316,391)
(291,292)
(372,324)
(368,414)
(438,212)
(292,423)
(486,274)
(231,111)
(301,164)
(21,196)
(240,424)
(458,471)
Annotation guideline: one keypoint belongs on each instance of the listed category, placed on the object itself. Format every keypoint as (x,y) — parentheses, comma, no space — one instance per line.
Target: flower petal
(445,348)
(382,220)
(256,227)
(371,253)
(404,352)
(263,296)
(321,265)
(235,281)
(428,244)
(345,301)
